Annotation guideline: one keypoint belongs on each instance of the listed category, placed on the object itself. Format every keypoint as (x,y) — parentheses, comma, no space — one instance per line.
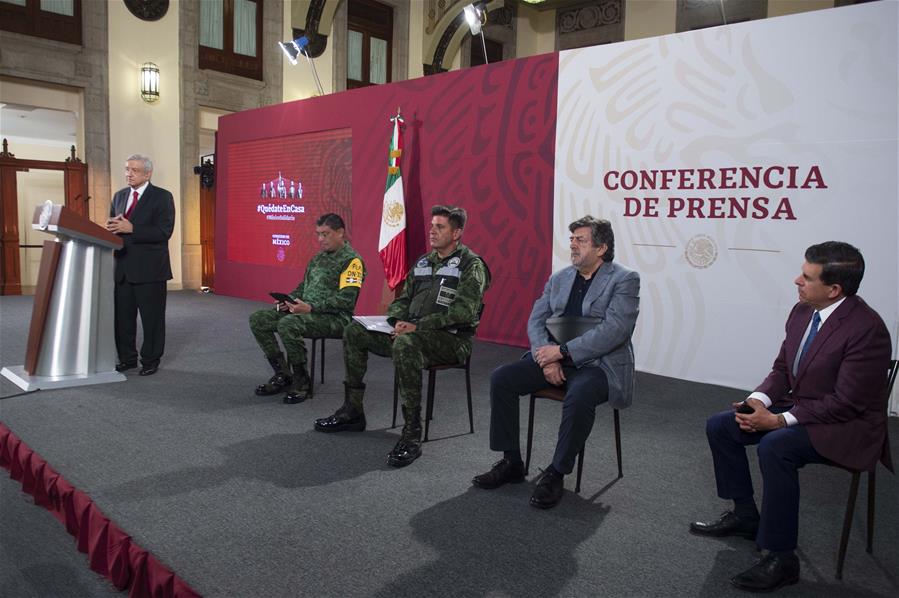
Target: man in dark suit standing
(595,367)
(823,402)
(144,216)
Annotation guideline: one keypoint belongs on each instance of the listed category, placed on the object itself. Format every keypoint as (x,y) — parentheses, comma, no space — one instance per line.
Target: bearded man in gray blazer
(593,368)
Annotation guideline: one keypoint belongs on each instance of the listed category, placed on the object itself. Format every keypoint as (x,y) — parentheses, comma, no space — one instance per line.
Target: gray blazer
(614,298)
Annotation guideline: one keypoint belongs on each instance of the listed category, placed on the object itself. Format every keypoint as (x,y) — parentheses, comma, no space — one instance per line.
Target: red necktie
(131,207)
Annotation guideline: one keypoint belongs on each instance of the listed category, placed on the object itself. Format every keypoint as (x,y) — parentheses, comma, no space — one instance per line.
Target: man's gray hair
(600,233)
(148,163)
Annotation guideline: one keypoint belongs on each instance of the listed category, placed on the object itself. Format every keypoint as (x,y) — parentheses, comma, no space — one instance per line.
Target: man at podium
(143,215)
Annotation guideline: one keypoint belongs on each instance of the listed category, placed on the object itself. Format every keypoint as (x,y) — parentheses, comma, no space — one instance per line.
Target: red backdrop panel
(482,138)
(278,189)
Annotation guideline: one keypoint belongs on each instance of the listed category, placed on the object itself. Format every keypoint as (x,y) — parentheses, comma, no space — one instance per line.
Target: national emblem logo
(393,213)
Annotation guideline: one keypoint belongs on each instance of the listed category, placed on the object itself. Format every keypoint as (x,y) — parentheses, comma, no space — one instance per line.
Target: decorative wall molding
(589,24)
(589,17)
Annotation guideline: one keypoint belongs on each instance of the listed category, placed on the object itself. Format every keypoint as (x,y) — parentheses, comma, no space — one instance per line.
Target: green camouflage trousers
(293,329)
(410,353)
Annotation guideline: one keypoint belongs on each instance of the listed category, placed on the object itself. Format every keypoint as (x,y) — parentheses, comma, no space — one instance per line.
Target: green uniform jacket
(443,294)
(332,282)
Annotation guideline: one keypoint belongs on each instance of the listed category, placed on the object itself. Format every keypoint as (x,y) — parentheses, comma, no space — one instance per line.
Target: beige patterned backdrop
(776,98)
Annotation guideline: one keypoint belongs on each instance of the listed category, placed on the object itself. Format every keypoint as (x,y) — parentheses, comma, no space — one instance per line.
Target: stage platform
(240,497)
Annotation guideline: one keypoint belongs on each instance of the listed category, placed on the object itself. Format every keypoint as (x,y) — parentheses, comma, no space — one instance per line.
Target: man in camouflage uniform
(325,300)
(434,319)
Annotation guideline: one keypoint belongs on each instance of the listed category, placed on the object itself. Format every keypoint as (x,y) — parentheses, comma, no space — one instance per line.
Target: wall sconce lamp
(476,17)
(149,82)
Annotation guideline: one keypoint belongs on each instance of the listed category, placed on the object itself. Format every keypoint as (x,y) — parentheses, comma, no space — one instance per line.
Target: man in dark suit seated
(143,215)
(823,402)
(595,367)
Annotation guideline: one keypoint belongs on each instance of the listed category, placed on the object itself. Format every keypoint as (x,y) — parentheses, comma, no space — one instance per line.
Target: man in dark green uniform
(323,306)
(433,320)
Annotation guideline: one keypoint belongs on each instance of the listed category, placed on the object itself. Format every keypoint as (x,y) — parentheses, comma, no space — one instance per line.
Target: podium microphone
(294,48)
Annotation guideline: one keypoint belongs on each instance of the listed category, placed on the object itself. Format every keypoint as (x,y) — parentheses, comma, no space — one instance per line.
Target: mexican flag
(392,244)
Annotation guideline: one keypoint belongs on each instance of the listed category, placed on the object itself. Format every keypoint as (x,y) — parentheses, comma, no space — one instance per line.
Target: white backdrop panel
(816,92)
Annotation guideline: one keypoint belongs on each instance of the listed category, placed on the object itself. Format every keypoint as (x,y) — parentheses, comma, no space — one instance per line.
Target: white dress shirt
(140,193)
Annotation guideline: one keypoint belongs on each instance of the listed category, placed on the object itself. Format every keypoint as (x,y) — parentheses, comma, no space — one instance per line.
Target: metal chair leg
(847,523)
(871,489)
(618,442)
(312,369)
(429,406)
(468,390)
(580,469)
(312,374)
(396,395)
(527,461)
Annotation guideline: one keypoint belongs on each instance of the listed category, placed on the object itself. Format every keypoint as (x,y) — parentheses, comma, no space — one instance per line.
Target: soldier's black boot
(408,449)
(350,417)
(277,383)
(300,390)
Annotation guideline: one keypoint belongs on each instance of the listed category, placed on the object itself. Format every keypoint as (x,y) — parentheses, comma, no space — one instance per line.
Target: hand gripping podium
(71,341)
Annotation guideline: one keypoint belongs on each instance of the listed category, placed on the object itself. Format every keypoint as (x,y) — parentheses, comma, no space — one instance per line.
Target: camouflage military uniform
(331,286)
(443,298)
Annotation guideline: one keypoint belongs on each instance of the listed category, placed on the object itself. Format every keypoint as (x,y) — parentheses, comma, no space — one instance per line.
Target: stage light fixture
(476,17)
(149,82)
(293,48)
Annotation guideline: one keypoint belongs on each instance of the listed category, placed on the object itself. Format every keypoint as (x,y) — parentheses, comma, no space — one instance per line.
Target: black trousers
(584,390)
(148,299)
(782,453)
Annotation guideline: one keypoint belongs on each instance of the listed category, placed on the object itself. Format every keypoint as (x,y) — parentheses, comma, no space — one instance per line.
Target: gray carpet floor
(240,497)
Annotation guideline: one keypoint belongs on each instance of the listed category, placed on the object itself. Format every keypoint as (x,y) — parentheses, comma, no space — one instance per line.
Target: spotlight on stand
(476,17)
(292,49)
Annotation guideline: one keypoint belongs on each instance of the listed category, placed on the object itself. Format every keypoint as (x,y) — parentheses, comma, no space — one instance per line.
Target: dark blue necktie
(816,321)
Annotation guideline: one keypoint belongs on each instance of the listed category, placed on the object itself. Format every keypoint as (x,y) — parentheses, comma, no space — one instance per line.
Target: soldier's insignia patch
(422,263)
(352,275)
(453,262)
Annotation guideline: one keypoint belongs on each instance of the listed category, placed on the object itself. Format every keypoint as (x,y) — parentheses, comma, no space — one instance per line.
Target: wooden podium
(71,341)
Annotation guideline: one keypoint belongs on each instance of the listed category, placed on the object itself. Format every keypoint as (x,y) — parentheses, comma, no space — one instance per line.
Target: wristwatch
(563,349)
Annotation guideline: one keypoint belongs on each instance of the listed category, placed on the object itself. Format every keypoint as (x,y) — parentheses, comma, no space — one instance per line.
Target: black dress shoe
(297,396)
(276,384)
(549,490)
(346,419)
(770,573)
(148,370)
(404,452)
(300,389)
(726,525)
(121,367)
(503,472)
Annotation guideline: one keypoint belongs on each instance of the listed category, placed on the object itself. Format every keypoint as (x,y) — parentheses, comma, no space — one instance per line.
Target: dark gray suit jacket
(613,298)
(145,256)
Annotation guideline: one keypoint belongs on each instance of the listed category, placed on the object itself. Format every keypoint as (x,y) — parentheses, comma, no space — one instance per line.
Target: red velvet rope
(110,551)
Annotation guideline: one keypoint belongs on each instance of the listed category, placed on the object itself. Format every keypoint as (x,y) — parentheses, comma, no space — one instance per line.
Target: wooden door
(76,199)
